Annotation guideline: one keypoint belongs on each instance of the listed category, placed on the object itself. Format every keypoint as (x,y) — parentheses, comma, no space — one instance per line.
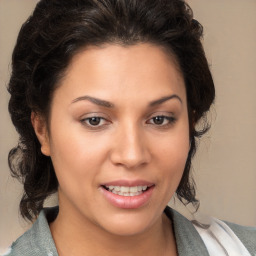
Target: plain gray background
(225,166)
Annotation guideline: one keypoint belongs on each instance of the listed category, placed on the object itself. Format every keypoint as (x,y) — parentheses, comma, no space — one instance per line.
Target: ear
(40,127)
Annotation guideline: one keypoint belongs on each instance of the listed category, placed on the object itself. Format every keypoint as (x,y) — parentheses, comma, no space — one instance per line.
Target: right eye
(94,121)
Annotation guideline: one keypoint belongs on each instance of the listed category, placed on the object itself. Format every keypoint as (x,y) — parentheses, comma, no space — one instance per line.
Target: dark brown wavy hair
(59,29)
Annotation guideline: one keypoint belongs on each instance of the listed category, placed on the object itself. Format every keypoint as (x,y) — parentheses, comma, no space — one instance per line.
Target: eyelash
(166,121)
(86,121)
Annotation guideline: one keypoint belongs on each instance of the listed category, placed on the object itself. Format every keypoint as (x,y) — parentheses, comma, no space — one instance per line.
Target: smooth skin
(119,113)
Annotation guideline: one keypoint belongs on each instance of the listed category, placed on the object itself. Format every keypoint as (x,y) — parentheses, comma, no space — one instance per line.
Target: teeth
(134,189)
(127,191)
(124,189)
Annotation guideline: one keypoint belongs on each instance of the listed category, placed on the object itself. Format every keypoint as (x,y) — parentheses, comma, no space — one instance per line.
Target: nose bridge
(130,148)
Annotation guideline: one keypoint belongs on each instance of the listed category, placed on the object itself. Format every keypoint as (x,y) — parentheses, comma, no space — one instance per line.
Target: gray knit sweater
(38,240)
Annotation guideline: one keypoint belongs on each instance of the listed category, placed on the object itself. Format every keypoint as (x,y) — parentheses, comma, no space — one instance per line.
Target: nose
(130,148)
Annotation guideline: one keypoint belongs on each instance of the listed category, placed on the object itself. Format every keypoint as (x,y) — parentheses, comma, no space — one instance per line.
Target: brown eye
(162,120)
(94,121)
(159,120)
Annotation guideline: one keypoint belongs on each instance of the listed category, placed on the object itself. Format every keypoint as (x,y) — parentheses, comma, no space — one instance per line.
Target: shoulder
(192,235)
(246,234)
(24,245)
(188,240)
(37,240)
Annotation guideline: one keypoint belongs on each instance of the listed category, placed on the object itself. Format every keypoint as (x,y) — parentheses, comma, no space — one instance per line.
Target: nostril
(130,160)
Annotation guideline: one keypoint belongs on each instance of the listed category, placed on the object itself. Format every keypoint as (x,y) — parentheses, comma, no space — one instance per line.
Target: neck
(75,236)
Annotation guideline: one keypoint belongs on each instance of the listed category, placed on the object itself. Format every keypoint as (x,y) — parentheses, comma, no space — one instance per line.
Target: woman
(106,96)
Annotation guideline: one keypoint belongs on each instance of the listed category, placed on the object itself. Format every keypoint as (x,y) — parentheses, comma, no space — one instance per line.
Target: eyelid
(169,118)
(161,113)
(93,114)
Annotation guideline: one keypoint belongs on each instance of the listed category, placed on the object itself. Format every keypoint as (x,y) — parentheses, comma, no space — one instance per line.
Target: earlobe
(41,131)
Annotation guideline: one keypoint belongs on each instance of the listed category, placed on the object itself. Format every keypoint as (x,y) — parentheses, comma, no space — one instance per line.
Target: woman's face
(118,137)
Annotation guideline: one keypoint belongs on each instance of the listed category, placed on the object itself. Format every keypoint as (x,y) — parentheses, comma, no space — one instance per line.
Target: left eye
(162,120)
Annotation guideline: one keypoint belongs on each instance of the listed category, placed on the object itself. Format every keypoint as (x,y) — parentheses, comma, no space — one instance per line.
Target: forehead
(142,68)
(125,54)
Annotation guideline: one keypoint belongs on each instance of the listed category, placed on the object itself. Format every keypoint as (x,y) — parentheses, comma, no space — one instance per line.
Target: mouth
(128,194)
(127,191)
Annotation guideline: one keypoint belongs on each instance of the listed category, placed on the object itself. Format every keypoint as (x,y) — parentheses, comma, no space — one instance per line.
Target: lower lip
(128,202)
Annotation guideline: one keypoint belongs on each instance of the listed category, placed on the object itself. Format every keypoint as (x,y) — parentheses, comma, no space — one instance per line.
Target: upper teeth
(127,189)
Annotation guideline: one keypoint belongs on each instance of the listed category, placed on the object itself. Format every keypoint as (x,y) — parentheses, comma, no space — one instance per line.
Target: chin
(128,224)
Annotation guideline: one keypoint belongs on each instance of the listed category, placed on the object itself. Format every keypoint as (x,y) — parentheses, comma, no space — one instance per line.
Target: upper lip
(129,183)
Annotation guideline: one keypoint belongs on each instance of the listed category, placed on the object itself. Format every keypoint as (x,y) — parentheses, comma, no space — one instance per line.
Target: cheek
(172,157)
(173,161)
(73,145)
(77,155)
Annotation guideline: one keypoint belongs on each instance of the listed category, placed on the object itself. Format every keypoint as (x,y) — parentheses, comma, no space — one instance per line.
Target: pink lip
(127,202)
(128,183)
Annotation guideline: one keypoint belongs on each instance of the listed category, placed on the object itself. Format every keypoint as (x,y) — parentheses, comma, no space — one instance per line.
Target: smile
(127,194)
(126,191)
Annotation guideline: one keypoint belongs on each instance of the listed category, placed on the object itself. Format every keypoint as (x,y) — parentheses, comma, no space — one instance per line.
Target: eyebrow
(108,104)
(164,99)
(96,101)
